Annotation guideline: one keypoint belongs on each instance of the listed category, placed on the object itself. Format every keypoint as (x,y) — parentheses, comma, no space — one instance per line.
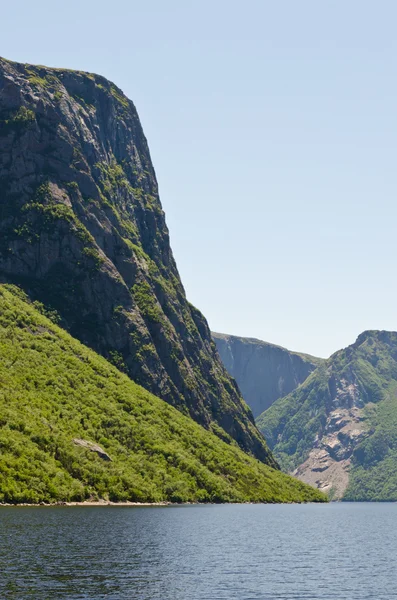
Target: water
(244,552)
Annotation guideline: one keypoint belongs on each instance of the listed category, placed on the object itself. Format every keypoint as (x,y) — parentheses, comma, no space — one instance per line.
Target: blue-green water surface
(221,552)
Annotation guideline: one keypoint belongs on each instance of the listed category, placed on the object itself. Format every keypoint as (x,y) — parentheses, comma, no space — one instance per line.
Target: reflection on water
(225,552)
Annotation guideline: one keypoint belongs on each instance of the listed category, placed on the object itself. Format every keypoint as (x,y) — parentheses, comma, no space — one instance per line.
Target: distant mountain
(264,372)
(73,428)
(82,231)
(338,430)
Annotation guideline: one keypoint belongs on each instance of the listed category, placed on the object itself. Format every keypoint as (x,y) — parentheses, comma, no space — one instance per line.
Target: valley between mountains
(112,386)
(331,423)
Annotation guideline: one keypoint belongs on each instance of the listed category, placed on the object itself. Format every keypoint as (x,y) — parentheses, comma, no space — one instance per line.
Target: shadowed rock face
(82,230)
(264,372)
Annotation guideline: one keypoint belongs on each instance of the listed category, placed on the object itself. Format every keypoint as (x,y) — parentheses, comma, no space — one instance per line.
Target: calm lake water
(244,552)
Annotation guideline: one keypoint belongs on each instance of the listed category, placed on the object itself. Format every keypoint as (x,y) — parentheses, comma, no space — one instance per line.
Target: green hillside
(55,394)
(374,473)
(345,413)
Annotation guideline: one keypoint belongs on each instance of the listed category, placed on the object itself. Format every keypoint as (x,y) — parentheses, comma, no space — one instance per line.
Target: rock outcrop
(92,447)
(264,372)
(328,463)
(83,232)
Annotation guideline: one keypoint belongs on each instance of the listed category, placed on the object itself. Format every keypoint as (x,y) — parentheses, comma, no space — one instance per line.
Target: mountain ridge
(82,230)
(338,430)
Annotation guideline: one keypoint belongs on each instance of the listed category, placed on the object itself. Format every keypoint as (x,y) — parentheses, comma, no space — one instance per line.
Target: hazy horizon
(272,130)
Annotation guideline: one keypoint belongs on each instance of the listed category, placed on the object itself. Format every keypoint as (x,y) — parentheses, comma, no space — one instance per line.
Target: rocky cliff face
(264,372)
(338,430)
(82,231)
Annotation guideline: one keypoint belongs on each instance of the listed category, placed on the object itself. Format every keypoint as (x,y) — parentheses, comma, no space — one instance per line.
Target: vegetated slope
(82,230)
(73,427)
(264,372)
(338,430)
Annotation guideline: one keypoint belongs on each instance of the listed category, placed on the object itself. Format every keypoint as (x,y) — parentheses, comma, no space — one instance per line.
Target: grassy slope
(54,389)
(290,425)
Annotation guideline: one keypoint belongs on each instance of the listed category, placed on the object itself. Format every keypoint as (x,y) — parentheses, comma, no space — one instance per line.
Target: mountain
(338,430)
(73,428)
(82,231)
(264,372)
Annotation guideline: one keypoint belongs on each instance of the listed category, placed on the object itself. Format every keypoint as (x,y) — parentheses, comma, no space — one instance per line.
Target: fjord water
(225,552)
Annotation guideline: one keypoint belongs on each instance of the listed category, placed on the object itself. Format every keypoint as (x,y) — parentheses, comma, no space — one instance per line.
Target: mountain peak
(82,231)
(387,337)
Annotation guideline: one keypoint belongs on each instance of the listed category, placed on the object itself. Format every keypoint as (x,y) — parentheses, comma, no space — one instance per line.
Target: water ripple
(235,552)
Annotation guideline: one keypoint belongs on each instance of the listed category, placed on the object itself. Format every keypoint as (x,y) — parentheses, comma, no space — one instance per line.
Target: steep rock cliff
(264,372)
(82,231)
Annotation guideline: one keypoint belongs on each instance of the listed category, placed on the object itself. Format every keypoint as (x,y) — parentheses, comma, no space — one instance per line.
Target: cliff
(82,231)
(338,430)
(264,372)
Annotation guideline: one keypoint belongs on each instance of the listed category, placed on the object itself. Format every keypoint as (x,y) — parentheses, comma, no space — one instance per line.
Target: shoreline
(91,503)
(105,503)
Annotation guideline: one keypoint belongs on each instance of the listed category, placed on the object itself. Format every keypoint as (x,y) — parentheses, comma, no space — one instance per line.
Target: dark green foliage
(54,390)
(36,80)
(17,121)
(23,115)
(147,302)
(48,312)
(374,466)
(113,178)
(117,360)
(119,96)
(94,255)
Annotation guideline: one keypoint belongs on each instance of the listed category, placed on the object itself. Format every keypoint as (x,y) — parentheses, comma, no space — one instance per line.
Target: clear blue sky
(272,127)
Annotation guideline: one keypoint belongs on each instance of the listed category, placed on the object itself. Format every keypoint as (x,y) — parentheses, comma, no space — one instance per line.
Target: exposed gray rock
(332,454)
(264,372)
(93,448)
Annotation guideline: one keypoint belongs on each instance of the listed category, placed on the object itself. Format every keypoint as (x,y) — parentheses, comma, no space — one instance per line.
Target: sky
(272,128)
